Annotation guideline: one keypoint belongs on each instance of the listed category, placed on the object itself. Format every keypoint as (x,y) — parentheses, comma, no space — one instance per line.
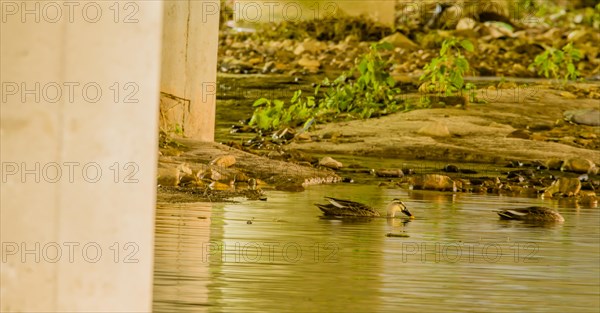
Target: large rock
(579,165)
(433,182)
(400,41)
(466,23)
(168,176)
(171,175)
(564,186)
(586,117)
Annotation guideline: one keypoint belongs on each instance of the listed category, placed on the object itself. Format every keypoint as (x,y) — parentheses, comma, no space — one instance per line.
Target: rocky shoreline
(542,138)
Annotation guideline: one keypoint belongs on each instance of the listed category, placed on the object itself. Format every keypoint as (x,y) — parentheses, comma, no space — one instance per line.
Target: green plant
(557,63)
(273,114)
(178,129)
(364,91)
(373,92)
(445,73)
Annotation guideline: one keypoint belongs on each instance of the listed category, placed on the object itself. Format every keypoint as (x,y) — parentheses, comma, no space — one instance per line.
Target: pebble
(331,163)
(540,126)
(224,161)
(449,168)
(386,172)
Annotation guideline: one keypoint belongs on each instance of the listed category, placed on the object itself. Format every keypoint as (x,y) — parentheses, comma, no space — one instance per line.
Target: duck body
(347,208)
(339,207)
(531,214)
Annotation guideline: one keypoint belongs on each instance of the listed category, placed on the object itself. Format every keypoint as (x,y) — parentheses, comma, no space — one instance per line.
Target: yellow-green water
(459,257)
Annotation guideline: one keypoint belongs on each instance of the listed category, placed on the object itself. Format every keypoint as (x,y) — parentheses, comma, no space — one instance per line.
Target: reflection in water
(459,256)
(181,276)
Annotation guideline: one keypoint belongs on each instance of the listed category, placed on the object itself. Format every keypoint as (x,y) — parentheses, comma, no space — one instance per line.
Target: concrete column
(79,103)
(189,71)
(254,11)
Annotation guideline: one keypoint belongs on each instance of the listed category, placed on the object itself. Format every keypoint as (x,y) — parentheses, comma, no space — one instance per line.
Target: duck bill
(407,212)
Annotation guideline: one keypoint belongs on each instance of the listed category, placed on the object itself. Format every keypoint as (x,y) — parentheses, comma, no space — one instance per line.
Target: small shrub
(445,73)
(366,90)
(557,63)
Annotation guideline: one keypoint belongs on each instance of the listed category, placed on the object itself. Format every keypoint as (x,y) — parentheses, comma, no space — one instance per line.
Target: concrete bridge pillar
(78,135)
(189,71)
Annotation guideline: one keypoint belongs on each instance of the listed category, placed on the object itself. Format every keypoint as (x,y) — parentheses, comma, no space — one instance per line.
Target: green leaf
(317,89)
(296,96)
(391,81)
(362,67)
(467,45)
(263,121)
(462,64)
(260,102)
(445,46)
(275,122)
(308,123)
(278,105)
(504,25)
(383,46)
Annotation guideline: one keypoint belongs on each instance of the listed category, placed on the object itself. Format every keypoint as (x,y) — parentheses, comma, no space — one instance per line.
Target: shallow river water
(459,257)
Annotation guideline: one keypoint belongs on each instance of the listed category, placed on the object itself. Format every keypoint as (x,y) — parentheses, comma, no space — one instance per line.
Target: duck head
(397,206)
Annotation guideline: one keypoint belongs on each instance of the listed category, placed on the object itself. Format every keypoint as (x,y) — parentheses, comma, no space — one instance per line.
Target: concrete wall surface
(189,71)
(79,113)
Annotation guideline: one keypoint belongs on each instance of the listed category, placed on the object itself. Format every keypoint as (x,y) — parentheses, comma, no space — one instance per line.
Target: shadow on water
(459,257)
